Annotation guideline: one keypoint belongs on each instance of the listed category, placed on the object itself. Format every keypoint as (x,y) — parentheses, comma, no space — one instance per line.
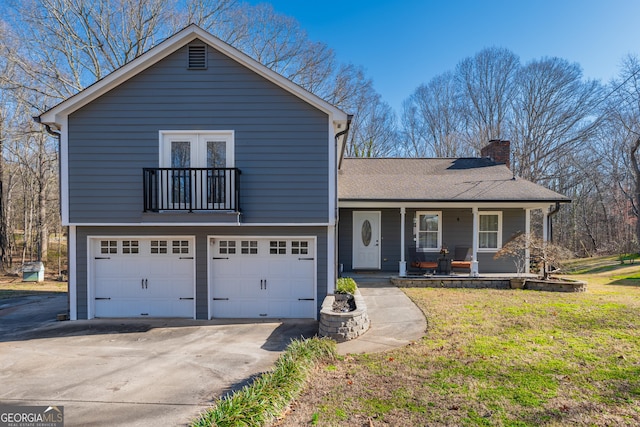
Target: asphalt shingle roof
(436,179)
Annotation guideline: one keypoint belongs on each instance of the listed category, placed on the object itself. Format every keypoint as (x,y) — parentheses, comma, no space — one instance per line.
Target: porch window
(490,230)
(429,231)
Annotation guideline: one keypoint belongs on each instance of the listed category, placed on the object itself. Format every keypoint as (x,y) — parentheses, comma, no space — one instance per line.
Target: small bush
(346,285)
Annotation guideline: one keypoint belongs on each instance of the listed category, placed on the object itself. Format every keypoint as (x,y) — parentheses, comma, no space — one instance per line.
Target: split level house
(198,183)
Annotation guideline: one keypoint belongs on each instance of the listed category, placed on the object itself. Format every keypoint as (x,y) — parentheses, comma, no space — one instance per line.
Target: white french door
(185,154)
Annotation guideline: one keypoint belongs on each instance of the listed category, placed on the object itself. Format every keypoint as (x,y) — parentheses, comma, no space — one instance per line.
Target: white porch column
(403,262)
(545,225)
(527,230)
(476,228)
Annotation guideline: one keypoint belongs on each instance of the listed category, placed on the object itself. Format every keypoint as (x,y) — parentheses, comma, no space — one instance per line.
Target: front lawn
(12,287)
(497,358)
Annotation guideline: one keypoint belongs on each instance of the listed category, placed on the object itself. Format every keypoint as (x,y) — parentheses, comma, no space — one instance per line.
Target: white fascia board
(439,205)
(167,47)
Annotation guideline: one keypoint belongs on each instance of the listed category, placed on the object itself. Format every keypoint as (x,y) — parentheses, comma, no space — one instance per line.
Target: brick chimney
(498,150)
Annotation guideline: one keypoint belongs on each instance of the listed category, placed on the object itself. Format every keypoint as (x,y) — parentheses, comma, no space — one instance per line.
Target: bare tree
(433,120)
(623,108)
(486,84)
(552,115)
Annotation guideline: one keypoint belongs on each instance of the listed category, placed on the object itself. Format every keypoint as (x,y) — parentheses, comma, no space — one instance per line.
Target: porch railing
(191,189)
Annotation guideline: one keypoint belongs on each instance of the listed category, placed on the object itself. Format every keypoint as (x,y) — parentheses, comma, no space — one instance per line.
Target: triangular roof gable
(54,115)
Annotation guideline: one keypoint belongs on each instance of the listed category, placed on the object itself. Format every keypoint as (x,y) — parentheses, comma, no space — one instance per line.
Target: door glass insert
(227,247)
(216,180)
(181,158)
(299,247)
(278,247)
(108,247)
(249,247)
(366,232)
(130,247)
(180,247)
(158,246)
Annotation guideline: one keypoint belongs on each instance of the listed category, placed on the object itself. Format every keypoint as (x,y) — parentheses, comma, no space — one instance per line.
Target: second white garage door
(262,277)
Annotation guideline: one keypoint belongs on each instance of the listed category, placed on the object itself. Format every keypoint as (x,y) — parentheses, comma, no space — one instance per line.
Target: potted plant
(345,288)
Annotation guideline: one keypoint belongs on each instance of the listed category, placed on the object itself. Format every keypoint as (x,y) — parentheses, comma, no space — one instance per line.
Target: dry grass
(497,358)
(11,286)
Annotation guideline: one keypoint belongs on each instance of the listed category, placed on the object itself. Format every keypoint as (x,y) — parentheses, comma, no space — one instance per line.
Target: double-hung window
(489,231)
(429,231)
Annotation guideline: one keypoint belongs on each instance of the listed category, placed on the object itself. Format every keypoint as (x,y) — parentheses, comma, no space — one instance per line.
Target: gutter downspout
(57,135)
(339,134)
(340,155)
(550,223)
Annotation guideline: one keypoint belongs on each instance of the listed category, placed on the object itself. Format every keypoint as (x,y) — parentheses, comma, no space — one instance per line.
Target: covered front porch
(408,239)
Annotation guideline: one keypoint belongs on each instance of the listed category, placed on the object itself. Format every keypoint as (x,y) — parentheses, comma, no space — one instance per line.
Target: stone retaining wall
(343,326)
(551,286)
(492,283)
(450,282)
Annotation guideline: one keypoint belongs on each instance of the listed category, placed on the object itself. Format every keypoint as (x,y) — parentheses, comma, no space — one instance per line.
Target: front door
(366,240)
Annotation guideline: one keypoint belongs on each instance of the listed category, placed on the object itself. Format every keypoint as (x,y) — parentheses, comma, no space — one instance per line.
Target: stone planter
(345,326)
(556,285)
(341,297)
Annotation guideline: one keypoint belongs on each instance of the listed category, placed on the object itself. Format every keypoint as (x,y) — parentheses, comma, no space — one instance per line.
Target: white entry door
(143,277)
(262,277)
(366,240)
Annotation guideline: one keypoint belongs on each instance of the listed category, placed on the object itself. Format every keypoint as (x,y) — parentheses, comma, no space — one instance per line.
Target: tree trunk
(636,192)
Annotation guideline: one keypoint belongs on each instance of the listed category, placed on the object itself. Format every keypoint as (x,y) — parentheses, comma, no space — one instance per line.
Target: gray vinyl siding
(201,260)
(457,230)
(281,143)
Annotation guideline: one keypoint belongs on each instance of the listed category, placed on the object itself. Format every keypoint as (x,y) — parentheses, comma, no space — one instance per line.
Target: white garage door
(148,277)
(259,277)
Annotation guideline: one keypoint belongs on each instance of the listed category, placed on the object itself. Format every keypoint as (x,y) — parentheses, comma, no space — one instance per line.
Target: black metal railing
(191,189)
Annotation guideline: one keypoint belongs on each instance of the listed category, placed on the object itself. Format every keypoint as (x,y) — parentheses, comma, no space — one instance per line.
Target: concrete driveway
(130,372)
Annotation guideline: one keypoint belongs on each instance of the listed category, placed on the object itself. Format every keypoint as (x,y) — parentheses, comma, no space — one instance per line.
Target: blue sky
(403,43)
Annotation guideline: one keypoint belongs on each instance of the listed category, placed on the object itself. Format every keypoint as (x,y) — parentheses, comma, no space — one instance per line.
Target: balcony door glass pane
(217,180)
(180,179)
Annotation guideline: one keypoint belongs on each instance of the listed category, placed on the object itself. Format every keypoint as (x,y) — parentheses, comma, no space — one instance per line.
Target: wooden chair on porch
(418,261)
(462,258)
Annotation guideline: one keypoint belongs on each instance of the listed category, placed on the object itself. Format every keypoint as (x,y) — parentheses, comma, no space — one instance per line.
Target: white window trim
(196,135)
(417,231)
(499,214)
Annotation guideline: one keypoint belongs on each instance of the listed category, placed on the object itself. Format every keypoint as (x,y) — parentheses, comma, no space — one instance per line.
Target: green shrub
(346,285)
(259,403)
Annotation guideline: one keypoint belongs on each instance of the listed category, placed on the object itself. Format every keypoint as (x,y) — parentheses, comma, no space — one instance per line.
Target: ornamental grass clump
(261,402)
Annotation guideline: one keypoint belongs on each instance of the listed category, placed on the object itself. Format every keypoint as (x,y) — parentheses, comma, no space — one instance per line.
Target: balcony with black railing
(191,189)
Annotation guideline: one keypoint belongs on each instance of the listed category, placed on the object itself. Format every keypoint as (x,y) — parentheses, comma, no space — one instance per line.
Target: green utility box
(33,272)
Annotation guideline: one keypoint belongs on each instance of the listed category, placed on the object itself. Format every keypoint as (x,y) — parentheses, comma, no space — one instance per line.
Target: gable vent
(197,57)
